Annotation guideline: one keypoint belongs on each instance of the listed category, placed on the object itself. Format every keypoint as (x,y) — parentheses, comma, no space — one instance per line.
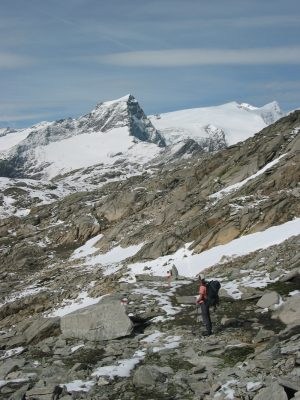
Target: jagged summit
(110,129)
(124,111)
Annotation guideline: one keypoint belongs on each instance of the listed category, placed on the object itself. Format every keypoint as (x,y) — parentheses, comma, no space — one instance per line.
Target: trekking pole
(196,317)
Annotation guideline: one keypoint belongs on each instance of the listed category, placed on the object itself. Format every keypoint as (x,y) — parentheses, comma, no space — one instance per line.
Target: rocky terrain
(85,308)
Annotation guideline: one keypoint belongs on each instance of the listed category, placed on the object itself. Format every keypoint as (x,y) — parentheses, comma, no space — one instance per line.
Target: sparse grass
(284,288)
(235,355)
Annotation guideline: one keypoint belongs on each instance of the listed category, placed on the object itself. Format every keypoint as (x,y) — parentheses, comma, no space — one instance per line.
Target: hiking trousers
(206,317)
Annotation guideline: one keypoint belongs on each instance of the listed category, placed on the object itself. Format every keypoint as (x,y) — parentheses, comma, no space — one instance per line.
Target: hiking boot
(206,334)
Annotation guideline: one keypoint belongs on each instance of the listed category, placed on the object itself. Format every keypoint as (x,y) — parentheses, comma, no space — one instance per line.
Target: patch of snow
(86,249)
(123,367)
(253,386)
(152,338)
(170,342)
(225,391)
(294,292)
(12,352)
(82,301)
(75,348)
(31,290)
(189,264)
(12,139)
(163,299)
(79,385)
(110,262)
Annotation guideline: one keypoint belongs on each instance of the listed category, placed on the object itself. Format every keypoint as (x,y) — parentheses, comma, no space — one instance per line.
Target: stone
(291,346)
(42,328)
(102,321)
(11,365)
(102,381)
(203,362)
(290,275)
(229,321)
(265,359)
(289,312)
(268,300)
(262,335)
(223,294)
(272,392)
(149,375)
(40,392)
(16,341)
(290,382)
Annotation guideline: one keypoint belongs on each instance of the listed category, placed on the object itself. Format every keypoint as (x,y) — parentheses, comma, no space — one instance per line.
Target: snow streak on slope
(238,185)
(237,121)
(189,264)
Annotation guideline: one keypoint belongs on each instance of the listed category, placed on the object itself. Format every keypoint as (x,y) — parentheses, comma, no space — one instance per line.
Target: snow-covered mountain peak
(112,128)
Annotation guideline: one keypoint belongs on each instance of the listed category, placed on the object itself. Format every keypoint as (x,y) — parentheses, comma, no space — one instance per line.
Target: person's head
(202,279)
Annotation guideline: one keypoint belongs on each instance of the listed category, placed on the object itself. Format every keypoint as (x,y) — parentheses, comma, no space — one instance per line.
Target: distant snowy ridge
(118,132)
(236,122)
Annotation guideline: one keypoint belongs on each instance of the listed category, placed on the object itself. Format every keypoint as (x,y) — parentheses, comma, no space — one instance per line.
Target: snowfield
(238,121)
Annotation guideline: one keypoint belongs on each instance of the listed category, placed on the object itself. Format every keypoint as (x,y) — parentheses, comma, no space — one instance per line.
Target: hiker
(202,301)
(169,277)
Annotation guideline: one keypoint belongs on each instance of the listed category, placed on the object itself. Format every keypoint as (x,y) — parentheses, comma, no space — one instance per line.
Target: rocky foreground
(144,340)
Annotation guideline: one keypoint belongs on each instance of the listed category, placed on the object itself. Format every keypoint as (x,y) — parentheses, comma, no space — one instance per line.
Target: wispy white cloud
(23,117)
(267,20)
(192,57)
(11,60)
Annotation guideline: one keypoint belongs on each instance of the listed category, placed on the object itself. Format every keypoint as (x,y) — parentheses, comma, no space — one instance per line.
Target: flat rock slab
(268,300)
(41,393)
(102,321)
(272,392)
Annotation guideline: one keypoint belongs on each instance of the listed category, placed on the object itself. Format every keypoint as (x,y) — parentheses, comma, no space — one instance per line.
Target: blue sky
(58,58)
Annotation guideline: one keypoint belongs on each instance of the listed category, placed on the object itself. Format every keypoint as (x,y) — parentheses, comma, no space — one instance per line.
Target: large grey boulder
(150,375)
(102,321)
(272,392)
(289,312)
